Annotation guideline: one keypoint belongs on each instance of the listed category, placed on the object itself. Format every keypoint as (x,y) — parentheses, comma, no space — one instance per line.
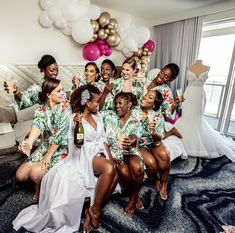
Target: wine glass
(25,146)
(121,137)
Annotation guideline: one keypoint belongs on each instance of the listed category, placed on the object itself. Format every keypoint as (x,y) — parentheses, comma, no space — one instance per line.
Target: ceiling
(163,11)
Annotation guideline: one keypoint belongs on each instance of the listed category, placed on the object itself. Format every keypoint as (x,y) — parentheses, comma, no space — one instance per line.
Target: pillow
(26,114)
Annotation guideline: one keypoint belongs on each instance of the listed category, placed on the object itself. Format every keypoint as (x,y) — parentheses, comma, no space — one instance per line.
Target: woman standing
(124,130)
(29,97)
(86,172)
(51,123)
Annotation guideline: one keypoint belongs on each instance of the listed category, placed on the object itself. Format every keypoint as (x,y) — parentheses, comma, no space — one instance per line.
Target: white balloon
(44,20)
(130,44)
(94,12)
(127,53)
(67,31)
(144,35)
(82,32)
(71,11)
(61,23)
(45,4)
(54,13)
(120,46)
(85,3)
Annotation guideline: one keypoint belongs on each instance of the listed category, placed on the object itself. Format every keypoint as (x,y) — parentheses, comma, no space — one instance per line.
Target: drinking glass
(25,147)
(179,92)
(151,115)
(121,137)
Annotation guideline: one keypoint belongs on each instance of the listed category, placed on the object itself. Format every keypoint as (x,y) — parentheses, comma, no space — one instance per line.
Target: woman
(51,123)
(161,83)
(92,76)
(108,72)
(66,185)
(29,97)
(124,130)
(127,82)
(157,154)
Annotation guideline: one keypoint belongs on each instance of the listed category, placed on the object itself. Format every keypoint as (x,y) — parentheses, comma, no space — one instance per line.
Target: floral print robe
(113,129)
(29,97)
(54,128)
(147,138)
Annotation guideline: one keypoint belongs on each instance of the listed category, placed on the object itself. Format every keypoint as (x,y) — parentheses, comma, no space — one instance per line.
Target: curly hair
(129,96)
(96,68)
(76,97)
(174,69)
(45,61)
(47,87)
(158,101)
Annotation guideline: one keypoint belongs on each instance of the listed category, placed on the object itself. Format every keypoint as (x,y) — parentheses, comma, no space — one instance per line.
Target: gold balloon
(145,53)
(101,34)
(106,31)
(112,31)
(114,23)
(149,53)
(139,53)
(95,25)
(94,37)
(145,49)
(104,19)
(110,26)
(113,40)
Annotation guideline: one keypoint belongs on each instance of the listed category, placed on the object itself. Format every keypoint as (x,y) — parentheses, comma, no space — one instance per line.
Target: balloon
(94,12)
(82,32)
(45,4)
(102,34)
(44,20)
(67,31)
(85,3)
(91,52)
(142,36)
(54,13)
(95,25)
(139,52)
(100,42)
(112,31)
(150,45)
(94,37)
(114,23)
(104,19)
(113,40)
(106,31)
(61,23)
(71,11)
(108,51)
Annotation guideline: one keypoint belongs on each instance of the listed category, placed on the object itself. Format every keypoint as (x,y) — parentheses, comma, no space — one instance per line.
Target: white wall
(24,41)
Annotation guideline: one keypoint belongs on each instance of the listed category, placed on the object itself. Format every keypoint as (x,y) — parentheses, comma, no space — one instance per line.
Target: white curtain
(178,42)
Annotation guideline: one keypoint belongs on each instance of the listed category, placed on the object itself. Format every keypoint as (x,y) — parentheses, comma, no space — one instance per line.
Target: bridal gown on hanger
(199,138)
(65,186)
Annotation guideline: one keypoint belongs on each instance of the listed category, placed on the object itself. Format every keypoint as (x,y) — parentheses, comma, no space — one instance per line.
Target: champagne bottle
(79,135)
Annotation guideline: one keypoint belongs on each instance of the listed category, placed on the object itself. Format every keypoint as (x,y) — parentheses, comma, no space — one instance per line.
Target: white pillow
(26,114)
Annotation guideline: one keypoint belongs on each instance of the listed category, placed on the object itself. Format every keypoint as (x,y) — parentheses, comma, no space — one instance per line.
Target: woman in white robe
(65,186)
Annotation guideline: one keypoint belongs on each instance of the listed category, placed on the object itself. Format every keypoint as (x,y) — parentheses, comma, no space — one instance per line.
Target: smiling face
(148,100)
(127,71)
(51,71)
(122,106)
(106,72)
(93,105)
(164,76)
(56,96)
(91,74)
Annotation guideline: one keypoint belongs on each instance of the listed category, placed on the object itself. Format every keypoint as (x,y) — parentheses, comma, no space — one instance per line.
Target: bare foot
(139,204)
(87,222)
(130,208)
(95,218)
(158,185)
(176,133)
(163,191)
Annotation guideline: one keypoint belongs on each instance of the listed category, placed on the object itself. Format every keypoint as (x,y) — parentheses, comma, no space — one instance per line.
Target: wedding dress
(199,138)
(65,186)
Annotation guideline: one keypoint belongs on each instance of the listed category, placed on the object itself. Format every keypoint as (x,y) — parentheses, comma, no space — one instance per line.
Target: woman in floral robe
(52,124)
(29,97)
(123,131)
(127,83)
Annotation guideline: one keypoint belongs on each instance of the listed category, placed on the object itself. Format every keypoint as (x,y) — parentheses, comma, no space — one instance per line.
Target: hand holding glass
(25,147)
(122,138)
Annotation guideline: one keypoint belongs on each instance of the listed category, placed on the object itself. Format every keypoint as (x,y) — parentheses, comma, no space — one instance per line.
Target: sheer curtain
(178,42)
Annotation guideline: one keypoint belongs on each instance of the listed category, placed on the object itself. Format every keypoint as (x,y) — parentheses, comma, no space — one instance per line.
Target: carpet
(201,198)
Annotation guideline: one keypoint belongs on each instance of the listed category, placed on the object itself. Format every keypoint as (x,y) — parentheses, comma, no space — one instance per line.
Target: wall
(23,40)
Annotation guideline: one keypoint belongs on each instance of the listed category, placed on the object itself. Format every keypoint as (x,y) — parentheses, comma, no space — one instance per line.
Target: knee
(138,170)
(164,156)
(21,176)
(110,169)
(151,165)
(36,174)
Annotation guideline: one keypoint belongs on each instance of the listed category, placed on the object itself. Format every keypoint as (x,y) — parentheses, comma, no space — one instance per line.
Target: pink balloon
(100,42)
(108,51)
(150,45)
(91,52)
(106,46)
(102,51)
(101,46)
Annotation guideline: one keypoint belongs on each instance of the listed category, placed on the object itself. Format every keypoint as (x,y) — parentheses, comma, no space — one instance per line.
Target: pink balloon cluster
(92,51)
(150,45)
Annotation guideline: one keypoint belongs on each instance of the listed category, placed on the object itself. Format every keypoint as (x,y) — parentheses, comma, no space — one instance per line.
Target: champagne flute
(179,92)
(121,137)
(151,115)
(25,147)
